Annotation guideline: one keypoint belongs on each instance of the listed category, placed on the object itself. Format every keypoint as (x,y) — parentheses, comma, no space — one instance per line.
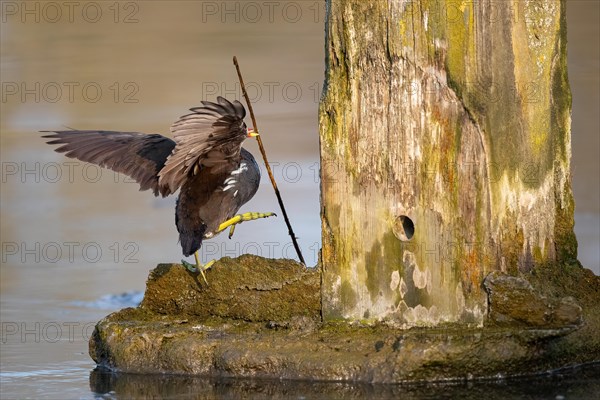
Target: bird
(205,161)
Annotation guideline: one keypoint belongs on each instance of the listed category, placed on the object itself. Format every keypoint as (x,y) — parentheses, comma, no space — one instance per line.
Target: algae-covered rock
(269,327)
(512,300)
(249,288)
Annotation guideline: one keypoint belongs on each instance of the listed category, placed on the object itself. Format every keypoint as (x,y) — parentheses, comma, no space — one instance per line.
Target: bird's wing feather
(137,155)
(210,135)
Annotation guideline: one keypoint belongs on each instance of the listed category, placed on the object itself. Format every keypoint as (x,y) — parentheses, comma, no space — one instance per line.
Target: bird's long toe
(198,268)
(206,266)
(190,267)
(238,219)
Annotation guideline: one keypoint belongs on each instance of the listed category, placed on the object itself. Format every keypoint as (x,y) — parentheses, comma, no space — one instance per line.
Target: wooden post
(445,150)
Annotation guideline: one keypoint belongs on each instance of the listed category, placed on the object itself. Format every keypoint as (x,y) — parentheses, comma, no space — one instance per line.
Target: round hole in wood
(404,228)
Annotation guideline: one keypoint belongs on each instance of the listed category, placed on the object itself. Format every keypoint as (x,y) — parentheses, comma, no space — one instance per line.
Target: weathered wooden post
(445,150)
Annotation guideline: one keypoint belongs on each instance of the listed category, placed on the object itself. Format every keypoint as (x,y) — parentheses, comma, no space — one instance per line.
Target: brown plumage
(206,161)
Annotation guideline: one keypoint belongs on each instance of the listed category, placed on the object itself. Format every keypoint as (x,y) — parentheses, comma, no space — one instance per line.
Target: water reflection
(577,383)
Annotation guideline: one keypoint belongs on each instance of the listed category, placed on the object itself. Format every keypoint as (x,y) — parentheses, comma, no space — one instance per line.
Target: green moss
(457,36)
(347,295)
(374,265)
(511,248)
(565,240)
(539,256)
(561,94)
(380,262)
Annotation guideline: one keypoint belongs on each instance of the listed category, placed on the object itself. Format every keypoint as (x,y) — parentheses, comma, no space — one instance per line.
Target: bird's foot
(189,266)
(238,219)
(198,268)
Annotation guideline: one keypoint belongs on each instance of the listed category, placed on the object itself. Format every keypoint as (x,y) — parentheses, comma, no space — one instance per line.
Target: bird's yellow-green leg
(238,219)
(230,223)
(198,267)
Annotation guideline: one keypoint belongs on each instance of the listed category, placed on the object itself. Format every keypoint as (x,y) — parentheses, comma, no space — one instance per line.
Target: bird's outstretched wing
(211,136)
(138,155)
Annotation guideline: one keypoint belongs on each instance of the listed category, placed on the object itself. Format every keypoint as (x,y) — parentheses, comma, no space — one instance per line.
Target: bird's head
(251,133)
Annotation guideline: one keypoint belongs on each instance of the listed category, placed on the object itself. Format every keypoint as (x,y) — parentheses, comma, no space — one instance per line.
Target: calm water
(74,235)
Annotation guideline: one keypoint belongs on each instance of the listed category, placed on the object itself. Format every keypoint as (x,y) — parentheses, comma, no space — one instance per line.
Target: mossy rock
(513,301)
(270,327)
(248,288)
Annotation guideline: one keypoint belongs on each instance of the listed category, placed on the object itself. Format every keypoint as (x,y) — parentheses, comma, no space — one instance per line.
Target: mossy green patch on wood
(565,241)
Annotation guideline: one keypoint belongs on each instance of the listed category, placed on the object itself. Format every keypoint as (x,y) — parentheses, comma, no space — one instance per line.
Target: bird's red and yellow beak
(251,133)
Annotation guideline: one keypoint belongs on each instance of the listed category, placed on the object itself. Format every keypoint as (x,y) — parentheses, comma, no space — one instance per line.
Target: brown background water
(72,234)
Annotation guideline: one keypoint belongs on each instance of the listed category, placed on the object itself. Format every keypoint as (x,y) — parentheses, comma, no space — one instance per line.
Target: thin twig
(264,155)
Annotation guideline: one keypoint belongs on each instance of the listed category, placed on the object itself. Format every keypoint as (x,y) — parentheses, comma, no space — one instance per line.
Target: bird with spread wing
(206,163)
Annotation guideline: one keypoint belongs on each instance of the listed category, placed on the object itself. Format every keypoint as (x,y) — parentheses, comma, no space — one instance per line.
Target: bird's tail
(191,241)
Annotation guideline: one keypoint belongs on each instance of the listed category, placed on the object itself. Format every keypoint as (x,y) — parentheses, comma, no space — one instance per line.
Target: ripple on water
(113,301)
